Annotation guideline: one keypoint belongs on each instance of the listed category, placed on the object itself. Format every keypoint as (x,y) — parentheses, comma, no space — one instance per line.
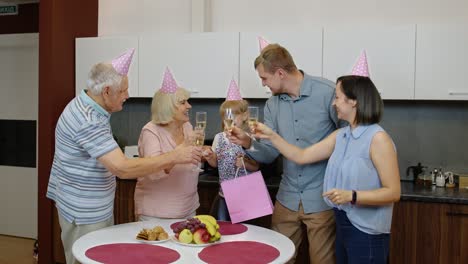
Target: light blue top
(82,188)
(301,121)
(351,168)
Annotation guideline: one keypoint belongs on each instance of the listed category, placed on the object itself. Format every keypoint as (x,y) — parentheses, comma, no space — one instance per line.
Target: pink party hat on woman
(169,85)
(233,92)
(361,67)
(262,43)
(122,63)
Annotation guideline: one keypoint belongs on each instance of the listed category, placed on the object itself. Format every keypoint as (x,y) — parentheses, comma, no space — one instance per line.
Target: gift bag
(247,197)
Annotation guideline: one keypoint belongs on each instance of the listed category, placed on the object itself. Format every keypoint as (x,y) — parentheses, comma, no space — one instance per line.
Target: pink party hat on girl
(122,63)
(169,85)
(262,43)
(361,68)
(233,92)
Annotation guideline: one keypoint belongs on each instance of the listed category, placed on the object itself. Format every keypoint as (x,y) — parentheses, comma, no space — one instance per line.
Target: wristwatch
(354,197)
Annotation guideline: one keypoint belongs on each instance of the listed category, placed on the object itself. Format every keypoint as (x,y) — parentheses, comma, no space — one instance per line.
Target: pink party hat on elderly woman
(361,68)
(169,85)
(122,63)
(233,92)
(262,43)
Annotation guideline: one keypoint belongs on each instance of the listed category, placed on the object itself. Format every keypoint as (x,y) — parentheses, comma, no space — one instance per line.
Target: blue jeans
(219,209)
(354,246)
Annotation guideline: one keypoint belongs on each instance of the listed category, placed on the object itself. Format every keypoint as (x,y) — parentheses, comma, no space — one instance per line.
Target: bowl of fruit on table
(199,231)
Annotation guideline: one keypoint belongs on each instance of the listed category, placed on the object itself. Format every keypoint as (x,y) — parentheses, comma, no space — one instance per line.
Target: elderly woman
(171,193)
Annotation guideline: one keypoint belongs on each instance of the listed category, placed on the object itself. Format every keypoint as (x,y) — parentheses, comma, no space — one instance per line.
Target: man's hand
(239,137)
(263,131)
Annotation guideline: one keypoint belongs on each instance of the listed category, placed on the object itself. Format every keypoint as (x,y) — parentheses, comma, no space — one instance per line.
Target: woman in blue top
(362,179)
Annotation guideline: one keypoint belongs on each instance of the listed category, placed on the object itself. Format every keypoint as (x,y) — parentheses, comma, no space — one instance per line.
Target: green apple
(185,236)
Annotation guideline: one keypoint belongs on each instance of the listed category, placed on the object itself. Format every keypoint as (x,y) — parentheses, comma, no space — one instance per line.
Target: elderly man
(87,158)
(300,111)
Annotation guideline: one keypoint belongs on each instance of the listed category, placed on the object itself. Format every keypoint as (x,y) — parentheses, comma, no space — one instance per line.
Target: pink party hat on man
(122,63)
(233,92)
(262,43)
(361,68)
(169,85)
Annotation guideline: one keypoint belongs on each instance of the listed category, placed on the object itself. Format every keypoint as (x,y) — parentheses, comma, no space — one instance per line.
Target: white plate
(151,241)
(175,240)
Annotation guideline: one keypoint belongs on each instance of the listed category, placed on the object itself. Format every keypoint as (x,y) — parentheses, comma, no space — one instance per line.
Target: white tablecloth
(126,233)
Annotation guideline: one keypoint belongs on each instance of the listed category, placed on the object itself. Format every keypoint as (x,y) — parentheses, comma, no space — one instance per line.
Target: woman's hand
(263,131)
(338,196)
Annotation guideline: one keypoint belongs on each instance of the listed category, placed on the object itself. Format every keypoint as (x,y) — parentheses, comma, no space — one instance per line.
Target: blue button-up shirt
(301,121)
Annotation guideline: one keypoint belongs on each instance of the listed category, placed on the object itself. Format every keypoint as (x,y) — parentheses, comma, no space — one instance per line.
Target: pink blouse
(163,195)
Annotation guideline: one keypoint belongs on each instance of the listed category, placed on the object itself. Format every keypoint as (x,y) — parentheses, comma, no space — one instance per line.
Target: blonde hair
(275,57)
(238,107)
(164,105)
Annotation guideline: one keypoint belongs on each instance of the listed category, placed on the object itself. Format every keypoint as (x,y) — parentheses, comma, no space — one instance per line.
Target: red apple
(201,236)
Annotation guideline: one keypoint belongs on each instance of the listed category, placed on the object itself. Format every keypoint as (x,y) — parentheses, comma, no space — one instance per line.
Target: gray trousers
(71,232)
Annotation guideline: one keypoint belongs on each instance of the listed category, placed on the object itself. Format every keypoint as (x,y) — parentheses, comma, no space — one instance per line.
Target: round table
(126,233)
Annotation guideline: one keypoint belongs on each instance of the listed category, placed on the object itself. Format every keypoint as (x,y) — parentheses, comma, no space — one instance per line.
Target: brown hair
(274,57)
(238,107)
(369,104)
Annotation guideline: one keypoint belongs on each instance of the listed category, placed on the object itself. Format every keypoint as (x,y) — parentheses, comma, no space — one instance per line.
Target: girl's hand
(208,153)
(338,196)
(239,161)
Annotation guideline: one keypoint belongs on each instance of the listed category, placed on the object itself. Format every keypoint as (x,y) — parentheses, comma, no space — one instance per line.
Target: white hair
(102,75)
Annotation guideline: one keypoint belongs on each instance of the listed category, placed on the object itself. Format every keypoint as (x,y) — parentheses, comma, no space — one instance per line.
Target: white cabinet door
(390,53)
(90,51)
(442,62)
(305,48)
(203,63)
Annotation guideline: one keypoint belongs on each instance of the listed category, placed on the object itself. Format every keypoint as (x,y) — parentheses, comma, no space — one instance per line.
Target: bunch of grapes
(191,224)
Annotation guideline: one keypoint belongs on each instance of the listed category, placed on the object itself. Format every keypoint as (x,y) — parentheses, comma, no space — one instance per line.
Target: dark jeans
(354,246)
(219,209)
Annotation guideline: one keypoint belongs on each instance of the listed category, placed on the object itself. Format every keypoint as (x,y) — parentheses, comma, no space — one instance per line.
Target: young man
(301,111)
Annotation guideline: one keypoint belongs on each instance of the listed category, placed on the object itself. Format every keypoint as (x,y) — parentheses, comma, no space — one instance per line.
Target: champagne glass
(198,140)
(229,119)
(200,120)
(253,119)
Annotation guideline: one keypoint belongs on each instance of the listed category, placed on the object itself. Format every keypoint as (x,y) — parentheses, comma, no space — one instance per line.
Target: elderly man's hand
(187,154)
(239,137)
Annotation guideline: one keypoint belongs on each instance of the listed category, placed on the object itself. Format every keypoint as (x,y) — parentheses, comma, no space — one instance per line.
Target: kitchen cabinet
(429,233)
(441,62)
(305,48)
(90,51)
(203,63)
(390,53)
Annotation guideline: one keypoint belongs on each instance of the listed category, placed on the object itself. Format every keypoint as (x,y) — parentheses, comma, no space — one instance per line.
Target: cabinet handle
(458,93)
(194,91)
(457,214)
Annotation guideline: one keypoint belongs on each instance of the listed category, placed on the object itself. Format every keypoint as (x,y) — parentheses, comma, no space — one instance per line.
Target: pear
(185,236)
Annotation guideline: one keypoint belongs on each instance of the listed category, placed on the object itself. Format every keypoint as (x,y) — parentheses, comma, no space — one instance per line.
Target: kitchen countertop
(409,191)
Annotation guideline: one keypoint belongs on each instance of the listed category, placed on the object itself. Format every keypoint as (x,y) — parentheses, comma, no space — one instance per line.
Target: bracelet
(354,197)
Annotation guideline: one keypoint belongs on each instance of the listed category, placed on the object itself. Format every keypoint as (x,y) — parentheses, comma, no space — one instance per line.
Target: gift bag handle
(238,168)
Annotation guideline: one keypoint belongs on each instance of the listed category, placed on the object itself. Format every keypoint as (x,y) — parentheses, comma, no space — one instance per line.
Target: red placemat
(121,253)
(225,228)
(228,228)
(239,252)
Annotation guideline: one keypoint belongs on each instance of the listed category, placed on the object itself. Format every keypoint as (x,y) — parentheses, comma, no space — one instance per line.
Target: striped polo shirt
(82,188)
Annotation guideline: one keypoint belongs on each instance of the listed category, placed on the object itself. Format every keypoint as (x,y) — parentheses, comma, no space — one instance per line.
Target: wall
(121,17)
(18,101)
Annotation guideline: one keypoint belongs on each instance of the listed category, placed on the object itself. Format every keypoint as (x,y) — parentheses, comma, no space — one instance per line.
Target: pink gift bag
(247,197)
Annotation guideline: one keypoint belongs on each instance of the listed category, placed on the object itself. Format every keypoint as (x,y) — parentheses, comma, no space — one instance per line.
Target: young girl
(226,156)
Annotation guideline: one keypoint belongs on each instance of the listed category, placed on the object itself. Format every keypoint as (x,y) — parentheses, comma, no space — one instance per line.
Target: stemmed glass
(229,119)
(253,119)
(200,120)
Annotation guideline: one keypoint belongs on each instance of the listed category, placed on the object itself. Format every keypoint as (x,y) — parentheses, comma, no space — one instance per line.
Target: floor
(15,250)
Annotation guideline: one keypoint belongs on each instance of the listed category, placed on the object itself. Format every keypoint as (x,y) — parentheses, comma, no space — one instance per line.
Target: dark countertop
(409,191)
(419,193)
